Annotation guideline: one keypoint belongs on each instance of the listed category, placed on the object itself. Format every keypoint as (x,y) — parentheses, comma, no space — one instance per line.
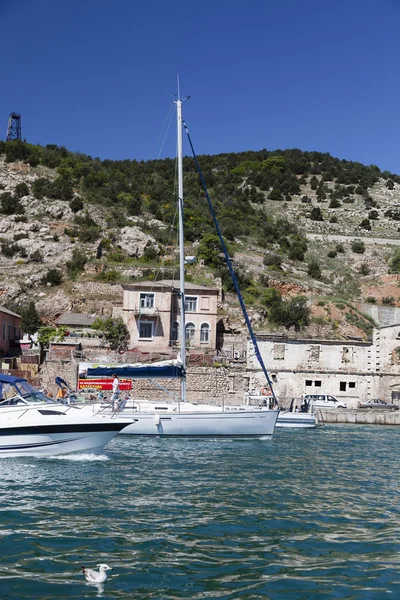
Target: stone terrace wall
(206,385)
(51,369)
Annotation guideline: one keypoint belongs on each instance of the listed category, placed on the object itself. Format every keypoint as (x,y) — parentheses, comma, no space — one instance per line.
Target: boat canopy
(11,387)
(10,378)
(138,372)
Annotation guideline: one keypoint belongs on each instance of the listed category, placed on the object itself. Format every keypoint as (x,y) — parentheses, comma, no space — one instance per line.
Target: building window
(146,300)
(146,330)
(314,352)
(352,384)
(347,354)
(308,383)
(16,335)
(342,386)
(9,332)
(318,383)
(190,331)
(4,331)
(190,304)
(174,332)
(205,303)
(279,351)
(205,333)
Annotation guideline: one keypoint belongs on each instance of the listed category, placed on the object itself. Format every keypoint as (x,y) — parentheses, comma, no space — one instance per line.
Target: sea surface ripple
(306,515)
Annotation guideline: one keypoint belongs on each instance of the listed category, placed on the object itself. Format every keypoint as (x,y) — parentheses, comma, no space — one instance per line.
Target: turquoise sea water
(308,514)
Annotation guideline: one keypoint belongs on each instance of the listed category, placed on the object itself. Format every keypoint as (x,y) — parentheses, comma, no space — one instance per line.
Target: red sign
(103,384)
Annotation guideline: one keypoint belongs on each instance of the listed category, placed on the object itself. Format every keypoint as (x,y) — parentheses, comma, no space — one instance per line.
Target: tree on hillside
(211,252)
(51,334)
(30,319)
(271,296)
(290,313)
(114,330)
(394,265)
(77,263)
(298,249)
(365,224)
(275,195)
(358,246)
(53,277)
(76,204)
(316,214)
(10,205)
(274,163)
(21,190)
(314,270)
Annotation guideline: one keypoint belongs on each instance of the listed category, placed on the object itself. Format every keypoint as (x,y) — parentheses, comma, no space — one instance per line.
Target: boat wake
(81,457)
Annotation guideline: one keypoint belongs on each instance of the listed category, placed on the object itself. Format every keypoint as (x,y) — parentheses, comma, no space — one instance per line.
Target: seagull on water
(96,576)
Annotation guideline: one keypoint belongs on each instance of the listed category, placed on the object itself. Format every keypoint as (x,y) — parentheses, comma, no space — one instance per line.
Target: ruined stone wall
(235,345)
(58,368)
(205,385)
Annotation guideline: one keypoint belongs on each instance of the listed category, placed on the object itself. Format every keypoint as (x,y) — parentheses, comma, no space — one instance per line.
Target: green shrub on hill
(358,246)
(77,263)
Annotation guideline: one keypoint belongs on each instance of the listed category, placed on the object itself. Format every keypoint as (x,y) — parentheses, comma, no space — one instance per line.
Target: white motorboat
(31,424)
(297,420)
(305,419)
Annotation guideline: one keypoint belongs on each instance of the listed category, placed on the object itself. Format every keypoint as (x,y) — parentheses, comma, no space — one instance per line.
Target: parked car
(378,404)
(324,401)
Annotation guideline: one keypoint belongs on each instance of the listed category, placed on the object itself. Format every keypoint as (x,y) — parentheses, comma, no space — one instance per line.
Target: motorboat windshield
(21,392)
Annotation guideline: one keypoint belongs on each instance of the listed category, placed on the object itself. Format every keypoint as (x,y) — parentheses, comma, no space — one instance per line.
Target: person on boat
(115,391)
(61,394)
(305,406)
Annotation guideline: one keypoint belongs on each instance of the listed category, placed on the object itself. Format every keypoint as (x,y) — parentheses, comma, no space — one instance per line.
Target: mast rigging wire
(231,271)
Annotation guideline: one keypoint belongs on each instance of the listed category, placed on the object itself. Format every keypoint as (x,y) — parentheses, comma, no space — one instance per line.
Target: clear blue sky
(95,75)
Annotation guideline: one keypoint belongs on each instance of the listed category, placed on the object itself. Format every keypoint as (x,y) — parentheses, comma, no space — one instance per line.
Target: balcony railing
(141,311)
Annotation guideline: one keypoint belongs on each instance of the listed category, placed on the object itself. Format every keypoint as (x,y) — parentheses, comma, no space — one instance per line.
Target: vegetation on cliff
(266,201)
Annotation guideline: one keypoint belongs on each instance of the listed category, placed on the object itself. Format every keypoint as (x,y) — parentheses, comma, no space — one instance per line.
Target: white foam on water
(82,457)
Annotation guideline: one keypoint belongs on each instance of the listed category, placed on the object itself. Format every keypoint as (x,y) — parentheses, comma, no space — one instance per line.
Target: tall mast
(181,248)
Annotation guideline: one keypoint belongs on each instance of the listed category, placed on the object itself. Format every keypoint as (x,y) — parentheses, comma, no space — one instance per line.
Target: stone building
(152,315)
(79,329)
(350,370)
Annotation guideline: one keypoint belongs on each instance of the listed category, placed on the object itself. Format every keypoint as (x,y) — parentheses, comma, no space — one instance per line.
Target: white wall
(349,370)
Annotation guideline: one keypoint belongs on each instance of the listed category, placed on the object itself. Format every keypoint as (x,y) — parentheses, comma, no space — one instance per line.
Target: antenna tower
(14,127)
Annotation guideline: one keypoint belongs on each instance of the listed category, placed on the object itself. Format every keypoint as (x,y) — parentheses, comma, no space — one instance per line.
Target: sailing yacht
(183,418)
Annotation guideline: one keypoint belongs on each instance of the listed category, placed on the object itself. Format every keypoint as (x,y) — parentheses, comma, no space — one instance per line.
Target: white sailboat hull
(203,424)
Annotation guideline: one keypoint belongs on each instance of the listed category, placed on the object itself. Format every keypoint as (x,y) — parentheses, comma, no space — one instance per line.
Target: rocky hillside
(72,229)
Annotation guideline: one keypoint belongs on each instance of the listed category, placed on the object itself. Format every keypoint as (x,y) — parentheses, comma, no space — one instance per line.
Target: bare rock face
(54,305)
(9,292)
(133,273)
(59,210)
(133,241)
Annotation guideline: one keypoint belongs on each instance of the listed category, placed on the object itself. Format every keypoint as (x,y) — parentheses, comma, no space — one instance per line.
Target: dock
(358,417)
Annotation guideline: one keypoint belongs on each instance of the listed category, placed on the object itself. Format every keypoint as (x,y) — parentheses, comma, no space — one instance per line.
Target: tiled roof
(8,312)
(77,319)
(168,283)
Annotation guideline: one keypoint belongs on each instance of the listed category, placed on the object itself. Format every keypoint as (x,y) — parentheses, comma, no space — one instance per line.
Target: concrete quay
(358,417)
